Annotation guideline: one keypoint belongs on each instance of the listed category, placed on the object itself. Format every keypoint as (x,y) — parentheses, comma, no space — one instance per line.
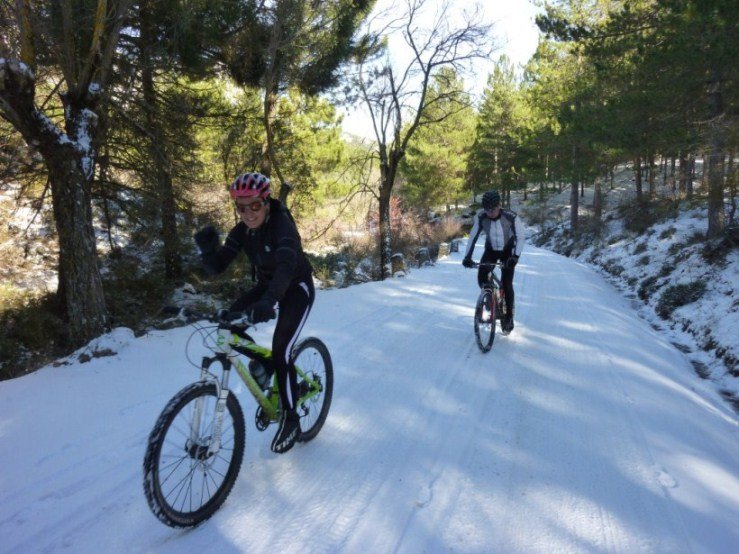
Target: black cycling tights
(490,257)
(294,309)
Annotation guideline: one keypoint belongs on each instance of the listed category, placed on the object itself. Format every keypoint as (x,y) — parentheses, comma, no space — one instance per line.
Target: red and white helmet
(250,185)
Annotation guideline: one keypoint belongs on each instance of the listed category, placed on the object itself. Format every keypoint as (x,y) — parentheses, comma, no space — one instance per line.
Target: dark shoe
(507,325)
(287,434)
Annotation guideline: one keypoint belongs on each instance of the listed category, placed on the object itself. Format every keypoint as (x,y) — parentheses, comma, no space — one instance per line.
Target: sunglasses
(253,206)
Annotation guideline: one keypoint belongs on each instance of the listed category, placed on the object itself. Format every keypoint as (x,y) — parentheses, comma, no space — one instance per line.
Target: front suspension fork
(214,442)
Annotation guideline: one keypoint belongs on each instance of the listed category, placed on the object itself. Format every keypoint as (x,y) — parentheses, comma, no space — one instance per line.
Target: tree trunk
(731,179)
(663,162)
(574,203)
(103,179)
(269,164)
(672,174)
(162,170)
(574,189)
(70,160)
(597,200)
(385,231)
(167,209)
(715,159)
(689,176)
(80,285)
(637,176)
(650,175)
(268,115)
(388,170)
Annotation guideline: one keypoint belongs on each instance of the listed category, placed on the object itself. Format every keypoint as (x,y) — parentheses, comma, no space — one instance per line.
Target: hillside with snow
(658,256)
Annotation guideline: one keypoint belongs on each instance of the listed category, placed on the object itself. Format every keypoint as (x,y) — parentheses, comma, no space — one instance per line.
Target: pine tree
(293,44)
(434,166)
(76,40)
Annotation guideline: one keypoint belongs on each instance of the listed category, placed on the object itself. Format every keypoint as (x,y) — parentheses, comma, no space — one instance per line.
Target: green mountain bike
(196,447)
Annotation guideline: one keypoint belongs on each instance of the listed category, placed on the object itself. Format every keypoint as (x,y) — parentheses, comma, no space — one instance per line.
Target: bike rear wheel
(185,479)
(485,320)
(314,360)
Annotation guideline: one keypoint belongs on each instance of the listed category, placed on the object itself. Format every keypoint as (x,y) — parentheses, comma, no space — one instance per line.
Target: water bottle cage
(260,373)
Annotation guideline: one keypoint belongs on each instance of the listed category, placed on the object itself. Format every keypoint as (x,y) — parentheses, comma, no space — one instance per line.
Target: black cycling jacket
(274,249)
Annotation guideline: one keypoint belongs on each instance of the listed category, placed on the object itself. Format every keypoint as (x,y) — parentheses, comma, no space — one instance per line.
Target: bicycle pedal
(261,419)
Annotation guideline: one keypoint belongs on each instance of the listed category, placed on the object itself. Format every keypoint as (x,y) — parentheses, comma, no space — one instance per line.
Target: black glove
(511,262)
(262,310)
(467,262)
(223,315)
(207,240)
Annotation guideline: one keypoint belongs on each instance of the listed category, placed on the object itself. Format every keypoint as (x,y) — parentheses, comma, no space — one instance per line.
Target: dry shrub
(413,232)
(349,259)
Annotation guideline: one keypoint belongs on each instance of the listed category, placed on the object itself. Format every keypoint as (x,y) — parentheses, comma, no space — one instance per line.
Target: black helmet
(490,200)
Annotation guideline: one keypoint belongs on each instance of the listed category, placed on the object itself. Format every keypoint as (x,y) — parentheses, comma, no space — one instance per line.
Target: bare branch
(93,55)
(394,96)
(391,95)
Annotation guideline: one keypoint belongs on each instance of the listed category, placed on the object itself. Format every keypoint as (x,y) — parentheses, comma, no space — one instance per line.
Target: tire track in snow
(645,465)
(632,446)
(389,477)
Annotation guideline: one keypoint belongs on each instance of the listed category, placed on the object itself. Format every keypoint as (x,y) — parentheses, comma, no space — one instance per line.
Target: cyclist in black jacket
(269,237)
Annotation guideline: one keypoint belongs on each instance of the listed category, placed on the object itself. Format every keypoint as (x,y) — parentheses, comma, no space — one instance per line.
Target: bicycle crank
(261,419)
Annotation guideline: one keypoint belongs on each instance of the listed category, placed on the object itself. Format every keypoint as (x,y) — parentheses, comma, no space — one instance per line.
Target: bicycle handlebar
(487,264)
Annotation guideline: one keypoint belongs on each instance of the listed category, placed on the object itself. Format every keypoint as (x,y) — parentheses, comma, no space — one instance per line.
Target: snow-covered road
(583,431)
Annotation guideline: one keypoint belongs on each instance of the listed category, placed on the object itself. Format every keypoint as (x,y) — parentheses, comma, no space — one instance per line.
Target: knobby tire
(184,489)
(313,358)
(485,320)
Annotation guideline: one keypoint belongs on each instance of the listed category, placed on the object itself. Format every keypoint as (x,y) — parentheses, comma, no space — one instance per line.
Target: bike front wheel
(485,320)
(316,385)
(187,476)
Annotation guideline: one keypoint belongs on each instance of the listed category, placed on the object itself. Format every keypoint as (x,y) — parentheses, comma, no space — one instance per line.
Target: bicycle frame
(492,281)
(493,284)
(229,347)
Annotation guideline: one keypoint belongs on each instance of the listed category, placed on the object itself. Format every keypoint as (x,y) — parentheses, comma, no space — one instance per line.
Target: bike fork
(214,442)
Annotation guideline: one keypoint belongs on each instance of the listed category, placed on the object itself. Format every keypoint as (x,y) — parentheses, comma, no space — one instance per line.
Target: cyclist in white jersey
(504,242)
